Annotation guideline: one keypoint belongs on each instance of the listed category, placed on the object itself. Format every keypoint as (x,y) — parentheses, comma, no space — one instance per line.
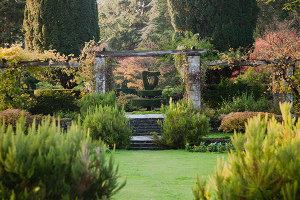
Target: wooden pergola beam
(188,52)
(43,64)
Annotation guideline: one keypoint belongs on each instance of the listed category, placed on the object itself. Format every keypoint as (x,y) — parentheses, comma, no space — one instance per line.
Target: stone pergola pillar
(99,69)
(194,67)
(194,93)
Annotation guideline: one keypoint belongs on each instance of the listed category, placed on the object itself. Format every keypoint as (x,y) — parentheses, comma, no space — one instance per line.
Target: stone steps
(143,145)
(143,125)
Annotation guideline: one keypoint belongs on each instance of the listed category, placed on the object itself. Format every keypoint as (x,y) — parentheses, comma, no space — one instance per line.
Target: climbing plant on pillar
(188,41)
(11,95)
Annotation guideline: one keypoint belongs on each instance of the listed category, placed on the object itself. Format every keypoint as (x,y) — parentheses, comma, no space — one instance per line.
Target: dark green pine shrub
(109,124)
(96,99)
(265,164)
(50,164)
(183,124)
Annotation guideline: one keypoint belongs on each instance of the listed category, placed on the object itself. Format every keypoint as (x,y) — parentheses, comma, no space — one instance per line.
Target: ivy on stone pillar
(194,92)
(99,69)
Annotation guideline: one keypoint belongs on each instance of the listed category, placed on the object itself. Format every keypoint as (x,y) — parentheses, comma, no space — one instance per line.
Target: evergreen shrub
(50,101)
(174,93)
(243,103)
(212,147)
(156,102)
(96,99)
(216,94)
(109,124)
(49,164)
(237,120)
(265,164)
(182,124)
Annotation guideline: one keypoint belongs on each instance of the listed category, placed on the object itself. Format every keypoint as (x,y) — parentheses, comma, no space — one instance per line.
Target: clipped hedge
(149,102)
(51,101)
(237,120)
(149,93)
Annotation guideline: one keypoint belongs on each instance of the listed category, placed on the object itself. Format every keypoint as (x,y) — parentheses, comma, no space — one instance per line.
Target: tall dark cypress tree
(230,23)
(64,25)
(11,17)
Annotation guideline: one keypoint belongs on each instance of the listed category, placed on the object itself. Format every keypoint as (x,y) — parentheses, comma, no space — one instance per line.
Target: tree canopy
(11,18)
(64,25)
(229,23)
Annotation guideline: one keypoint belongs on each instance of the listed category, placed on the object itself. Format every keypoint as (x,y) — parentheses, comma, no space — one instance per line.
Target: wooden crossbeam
(194,52)
(43,64)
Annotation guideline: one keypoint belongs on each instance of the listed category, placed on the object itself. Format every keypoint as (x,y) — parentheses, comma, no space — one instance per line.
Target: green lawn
(218,135)
(168,174)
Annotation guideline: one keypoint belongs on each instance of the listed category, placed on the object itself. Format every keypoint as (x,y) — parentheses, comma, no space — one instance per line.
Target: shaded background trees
(11,18)
(230,24)
(62,25)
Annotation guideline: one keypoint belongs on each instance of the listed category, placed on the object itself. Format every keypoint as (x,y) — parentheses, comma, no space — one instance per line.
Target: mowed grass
(167,174)
(218,135)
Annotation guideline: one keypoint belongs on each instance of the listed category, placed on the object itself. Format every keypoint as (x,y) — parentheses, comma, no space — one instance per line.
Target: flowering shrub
(125,100)
(237,120)
(282,45)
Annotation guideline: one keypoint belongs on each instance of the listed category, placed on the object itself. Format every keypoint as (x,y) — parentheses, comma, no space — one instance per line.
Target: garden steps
(143,125)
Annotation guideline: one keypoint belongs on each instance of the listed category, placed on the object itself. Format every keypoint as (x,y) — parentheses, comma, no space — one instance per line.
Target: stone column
(194,84)
(99,69)
(289,95)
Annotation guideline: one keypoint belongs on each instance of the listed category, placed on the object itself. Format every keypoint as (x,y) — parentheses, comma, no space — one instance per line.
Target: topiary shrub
(182,124)
(49,164)
(237,120)
(146,75)
(265,165)
(109,124)
(96,99)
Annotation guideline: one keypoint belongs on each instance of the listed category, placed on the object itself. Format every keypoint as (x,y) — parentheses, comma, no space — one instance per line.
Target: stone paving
(139,116)
(145,116)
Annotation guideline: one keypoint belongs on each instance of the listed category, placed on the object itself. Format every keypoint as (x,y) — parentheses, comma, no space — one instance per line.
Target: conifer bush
(96,99)
(265,165)
(109,124)
(49,164)
(182,124)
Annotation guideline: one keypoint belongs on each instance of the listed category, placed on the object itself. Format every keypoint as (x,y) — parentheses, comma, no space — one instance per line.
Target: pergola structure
(194,93)
(193,59)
